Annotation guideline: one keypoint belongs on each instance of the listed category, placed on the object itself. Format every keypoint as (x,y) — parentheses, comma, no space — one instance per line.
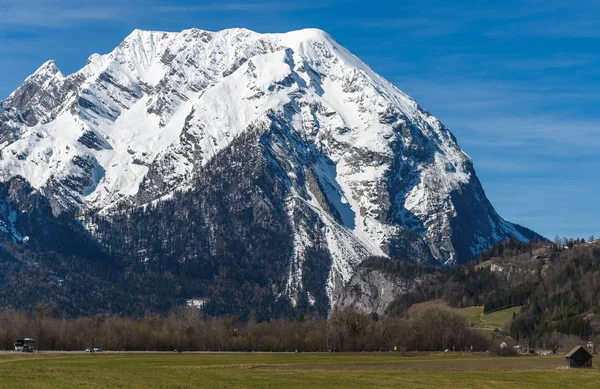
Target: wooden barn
(578,357)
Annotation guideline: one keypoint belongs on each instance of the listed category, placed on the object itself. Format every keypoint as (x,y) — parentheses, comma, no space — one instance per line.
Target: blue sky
(517,82)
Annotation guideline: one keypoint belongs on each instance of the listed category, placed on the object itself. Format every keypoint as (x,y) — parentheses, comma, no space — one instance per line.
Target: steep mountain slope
(43,257)
(351,166)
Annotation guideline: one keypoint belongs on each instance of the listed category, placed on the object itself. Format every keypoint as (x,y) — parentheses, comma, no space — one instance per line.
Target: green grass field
(493,320)
(370,370)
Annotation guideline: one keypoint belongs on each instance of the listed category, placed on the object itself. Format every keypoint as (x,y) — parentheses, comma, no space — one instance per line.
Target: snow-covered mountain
(366,170)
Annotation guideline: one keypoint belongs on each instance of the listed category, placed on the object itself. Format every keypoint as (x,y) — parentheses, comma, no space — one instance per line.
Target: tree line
(433,328)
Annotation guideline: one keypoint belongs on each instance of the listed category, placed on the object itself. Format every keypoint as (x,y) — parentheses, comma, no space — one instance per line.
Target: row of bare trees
(431,329)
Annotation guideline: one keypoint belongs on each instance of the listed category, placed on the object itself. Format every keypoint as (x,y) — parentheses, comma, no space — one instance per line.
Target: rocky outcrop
(379,282)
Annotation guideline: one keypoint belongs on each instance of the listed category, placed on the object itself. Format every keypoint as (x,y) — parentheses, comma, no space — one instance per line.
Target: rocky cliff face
(373,290)
(357,166)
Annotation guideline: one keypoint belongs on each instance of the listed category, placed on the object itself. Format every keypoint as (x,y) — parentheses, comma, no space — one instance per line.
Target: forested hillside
(556,284)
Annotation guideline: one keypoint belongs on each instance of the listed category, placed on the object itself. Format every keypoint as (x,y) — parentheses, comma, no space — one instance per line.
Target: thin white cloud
(59,13)
(247,6)
(64,13)
(503,114)
(422,27)
(554,19)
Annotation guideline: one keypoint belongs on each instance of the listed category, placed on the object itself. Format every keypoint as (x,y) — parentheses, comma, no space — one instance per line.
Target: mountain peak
(47,70)
(139,34)
(310,34)
(48,66)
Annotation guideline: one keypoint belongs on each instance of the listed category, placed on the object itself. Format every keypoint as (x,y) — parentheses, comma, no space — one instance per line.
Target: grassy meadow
(492,320)
(258,370)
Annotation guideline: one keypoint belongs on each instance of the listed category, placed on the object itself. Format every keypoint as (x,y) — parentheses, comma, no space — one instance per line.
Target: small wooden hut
(578,357)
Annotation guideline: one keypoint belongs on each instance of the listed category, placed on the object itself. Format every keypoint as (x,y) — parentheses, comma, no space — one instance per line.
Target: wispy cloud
(515,19)
(59,13)
(557,28)
(65,13)
(247,6)
(551,62)
(421,27)
(491,117)
(555,19)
